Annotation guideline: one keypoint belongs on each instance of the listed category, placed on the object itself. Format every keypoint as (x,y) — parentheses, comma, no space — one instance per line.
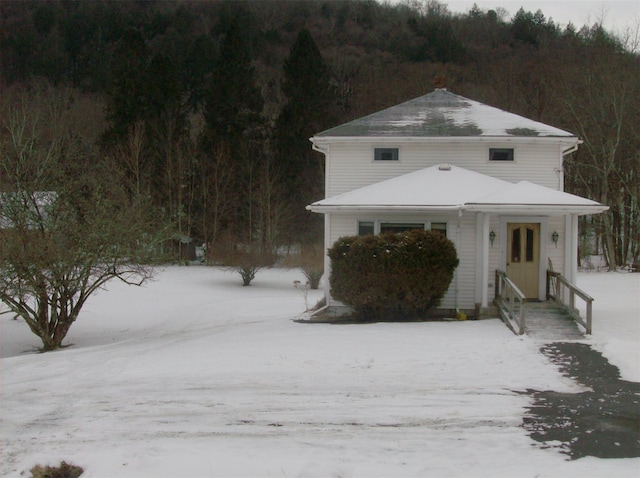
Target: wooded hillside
(206,107)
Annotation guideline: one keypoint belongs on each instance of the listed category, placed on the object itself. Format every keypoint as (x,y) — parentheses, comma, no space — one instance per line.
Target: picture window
(379,227)
(400,226)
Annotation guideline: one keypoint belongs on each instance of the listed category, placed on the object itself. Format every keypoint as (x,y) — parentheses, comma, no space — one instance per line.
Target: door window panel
(529,246)
(515,245)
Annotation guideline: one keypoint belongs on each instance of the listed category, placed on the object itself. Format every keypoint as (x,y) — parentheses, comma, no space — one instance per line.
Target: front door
(523,257)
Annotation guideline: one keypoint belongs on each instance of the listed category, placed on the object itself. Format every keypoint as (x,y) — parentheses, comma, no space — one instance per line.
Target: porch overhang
(378,208)
(447,188)
(523,209)
(536,209)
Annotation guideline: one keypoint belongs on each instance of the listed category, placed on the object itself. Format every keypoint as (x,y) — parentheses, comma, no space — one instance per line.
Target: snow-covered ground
(196,376)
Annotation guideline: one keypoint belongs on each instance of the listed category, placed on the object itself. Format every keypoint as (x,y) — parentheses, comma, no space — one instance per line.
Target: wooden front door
(523,257)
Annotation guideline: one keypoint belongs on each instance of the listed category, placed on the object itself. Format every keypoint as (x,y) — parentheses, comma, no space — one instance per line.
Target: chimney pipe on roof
(440,82)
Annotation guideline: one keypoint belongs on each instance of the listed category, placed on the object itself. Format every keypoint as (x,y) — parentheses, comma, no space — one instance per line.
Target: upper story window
(385,154)
(500,154)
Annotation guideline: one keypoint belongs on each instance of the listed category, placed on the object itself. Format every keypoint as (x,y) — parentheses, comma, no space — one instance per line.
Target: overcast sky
(617,14)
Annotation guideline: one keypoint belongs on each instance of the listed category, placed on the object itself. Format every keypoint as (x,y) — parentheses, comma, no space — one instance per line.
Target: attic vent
(444,167)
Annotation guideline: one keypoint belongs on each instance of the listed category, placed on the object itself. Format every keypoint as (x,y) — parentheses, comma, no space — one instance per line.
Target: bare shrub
(65,470)
(311,261)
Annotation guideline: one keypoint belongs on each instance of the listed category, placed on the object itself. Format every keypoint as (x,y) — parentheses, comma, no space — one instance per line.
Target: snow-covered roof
(443,114)
(446,187)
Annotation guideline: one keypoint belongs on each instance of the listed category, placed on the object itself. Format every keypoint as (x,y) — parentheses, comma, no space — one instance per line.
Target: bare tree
(133,158)
(216,184)
(67,225)
(602,107)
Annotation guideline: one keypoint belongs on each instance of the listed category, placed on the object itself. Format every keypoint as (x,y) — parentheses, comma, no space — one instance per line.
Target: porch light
(492,237)
(554,237)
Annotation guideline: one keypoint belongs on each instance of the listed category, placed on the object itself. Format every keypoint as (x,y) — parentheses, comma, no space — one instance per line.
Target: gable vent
(444,167)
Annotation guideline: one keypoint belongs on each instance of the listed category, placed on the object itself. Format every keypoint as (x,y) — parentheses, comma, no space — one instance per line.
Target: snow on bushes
(392,276)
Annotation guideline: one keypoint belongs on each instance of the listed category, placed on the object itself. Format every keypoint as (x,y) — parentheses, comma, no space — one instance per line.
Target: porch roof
(445,188)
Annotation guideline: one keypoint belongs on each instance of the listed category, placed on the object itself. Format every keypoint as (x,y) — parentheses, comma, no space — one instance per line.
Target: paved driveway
(603,422)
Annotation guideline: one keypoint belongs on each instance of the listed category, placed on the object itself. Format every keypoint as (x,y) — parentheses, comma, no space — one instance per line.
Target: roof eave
(569,140)
(537,209)
(379,208)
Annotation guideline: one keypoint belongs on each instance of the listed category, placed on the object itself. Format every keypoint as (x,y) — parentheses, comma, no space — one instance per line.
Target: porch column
(327,261)
(485,260)
(571,247)
(478,259)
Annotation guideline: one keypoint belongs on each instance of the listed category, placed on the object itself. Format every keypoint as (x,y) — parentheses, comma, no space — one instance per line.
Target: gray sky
(617,15)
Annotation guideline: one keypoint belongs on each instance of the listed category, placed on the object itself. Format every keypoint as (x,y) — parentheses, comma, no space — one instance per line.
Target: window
(400,226)
(365,228)
(529,246)
(500,154)
(379,227)
(440,227)
(385,154)
(515,245)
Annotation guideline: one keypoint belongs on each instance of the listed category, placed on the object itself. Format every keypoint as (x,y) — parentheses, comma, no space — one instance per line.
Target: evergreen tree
(308,110)
(233,102)
(234,124)
(127,93)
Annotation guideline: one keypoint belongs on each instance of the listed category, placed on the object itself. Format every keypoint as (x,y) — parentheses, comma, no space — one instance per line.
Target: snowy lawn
(197,376)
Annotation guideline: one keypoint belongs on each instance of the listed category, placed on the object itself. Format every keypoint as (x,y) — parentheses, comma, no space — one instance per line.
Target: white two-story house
(490,180)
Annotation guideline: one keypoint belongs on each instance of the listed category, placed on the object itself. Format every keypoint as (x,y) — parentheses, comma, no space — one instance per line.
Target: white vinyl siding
(349,165)
(556,254)
(347,225)
(465,242)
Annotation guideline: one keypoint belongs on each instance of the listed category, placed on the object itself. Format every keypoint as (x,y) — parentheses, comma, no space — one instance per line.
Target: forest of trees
(205,107)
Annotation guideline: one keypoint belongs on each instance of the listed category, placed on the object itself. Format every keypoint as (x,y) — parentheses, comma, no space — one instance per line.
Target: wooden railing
(510,302)
(564,293)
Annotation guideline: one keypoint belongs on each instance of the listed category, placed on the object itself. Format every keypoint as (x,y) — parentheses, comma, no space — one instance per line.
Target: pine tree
(234,125)
(308,110)
(233,102)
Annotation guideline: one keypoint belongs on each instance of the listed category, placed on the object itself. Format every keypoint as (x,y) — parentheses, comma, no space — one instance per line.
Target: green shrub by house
(392,276)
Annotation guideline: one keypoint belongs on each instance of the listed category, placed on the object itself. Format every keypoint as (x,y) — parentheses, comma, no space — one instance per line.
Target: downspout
(560,170)
(319,149)
(324,280)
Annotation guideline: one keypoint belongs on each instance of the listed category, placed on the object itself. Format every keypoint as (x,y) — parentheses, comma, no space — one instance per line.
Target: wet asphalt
(602,422)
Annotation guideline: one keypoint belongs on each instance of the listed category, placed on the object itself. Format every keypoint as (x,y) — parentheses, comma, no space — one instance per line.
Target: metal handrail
(510,301)
(559,288)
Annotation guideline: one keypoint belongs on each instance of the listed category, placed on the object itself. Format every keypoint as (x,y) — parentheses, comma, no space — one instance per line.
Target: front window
(380,227)
(365,228)
(400,226)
